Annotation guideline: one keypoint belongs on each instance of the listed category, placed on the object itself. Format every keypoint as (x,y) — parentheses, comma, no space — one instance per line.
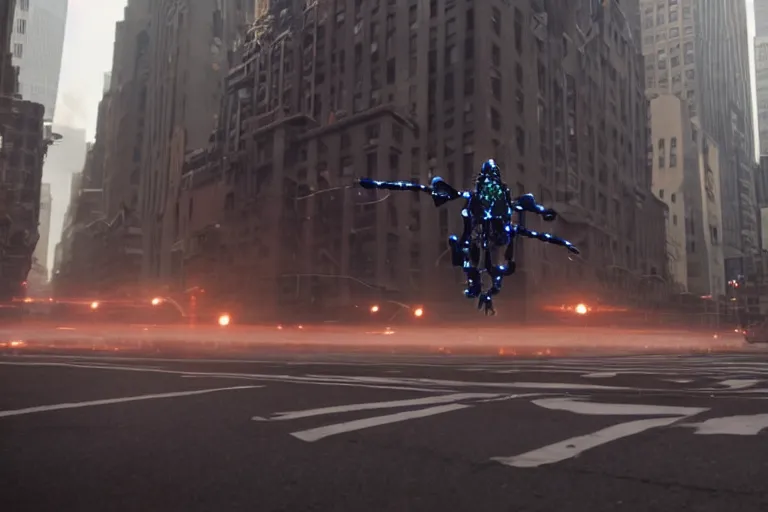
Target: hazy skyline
(88,47)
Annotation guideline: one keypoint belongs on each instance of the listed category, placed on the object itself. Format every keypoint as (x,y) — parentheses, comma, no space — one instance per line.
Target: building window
(24,5)
(18,50)
(661,193)
(688,53)
(673,198)
(520,140)
(495,120)
(21,26)
(496,21)
(496,87)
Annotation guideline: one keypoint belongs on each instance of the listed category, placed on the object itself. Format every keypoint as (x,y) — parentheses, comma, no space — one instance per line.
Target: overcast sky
(87,56)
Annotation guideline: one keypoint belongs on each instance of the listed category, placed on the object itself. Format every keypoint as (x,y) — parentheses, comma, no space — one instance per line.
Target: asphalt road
(377,433)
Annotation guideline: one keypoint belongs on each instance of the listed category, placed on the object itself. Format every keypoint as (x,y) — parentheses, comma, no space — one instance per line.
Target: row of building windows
(662,153)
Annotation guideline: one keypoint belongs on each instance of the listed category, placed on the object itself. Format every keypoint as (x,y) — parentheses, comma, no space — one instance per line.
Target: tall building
(8,73)
(188,50)
(22,151)
(761,91)
(326,91)
(697,50)
(761,71)
(686,177)
(65,157)
(122,134)
(761,17)
(38,42)
(40,256)
(675,152)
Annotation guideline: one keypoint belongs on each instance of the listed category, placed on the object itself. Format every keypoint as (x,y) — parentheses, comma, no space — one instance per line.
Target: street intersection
(383,432)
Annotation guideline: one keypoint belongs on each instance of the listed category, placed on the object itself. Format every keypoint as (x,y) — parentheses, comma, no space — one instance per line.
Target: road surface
(384,433)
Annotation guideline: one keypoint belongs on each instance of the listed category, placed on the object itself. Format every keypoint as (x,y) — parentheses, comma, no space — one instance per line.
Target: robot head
(490,169)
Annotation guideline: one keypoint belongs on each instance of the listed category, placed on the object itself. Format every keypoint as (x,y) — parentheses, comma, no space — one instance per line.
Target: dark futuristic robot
(488,225)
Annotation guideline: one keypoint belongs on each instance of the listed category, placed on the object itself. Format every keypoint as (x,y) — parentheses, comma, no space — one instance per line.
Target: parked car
(756,333)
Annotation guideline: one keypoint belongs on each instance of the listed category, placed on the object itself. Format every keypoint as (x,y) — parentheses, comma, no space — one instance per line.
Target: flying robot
(488,216)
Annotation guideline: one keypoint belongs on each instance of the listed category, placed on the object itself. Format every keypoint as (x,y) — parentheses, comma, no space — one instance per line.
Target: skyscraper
(328,91)
(40,269)
(761,18)
(65,158)
(761,72)
(37,44)
(188,51)
(698,51)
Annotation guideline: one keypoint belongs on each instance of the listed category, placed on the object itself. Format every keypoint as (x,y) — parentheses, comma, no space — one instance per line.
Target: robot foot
(485,303)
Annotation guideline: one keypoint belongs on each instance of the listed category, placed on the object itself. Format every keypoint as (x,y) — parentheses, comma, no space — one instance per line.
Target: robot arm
(440,191)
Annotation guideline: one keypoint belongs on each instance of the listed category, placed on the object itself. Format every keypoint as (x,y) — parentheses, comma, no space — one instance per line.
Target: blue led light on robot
(487,185)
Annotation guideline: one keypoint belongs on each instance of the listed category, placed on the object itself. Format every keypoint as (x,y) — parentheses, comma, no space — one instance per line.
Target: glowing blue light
(464,254)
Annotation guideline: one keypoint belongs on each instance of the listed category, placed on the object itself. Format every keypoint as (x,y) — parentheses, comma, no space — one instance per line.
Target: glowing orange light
(27,300)
(418,312)
(94,305)
(581,309)
(374,309)
(224,320)
(156,301)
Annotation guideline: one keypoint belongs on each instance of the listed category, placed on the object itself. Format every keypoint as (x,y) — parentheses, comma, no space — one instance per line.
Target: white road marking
(731,425)
(282,416)
(511,397)
(295,379)
(602,409)
(739,383)
(110,401)
(575,446)
(316,434)
(323,383)
(460,383)
(599,375)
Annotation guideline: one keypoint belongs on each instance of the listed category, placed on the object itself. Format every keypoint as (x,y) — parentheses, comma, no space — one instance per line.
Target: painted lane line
(316,434)
(110,401)
(321,383)
(244,376)
(283,416)
(599,375)
(458,383)
(738,383)
(575,446)
(511,397)
(731,425)
(603,409)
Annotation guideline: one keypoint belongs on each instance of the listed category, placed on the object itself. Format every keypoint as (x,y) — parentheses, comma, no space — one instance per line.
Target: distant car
(756,333)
